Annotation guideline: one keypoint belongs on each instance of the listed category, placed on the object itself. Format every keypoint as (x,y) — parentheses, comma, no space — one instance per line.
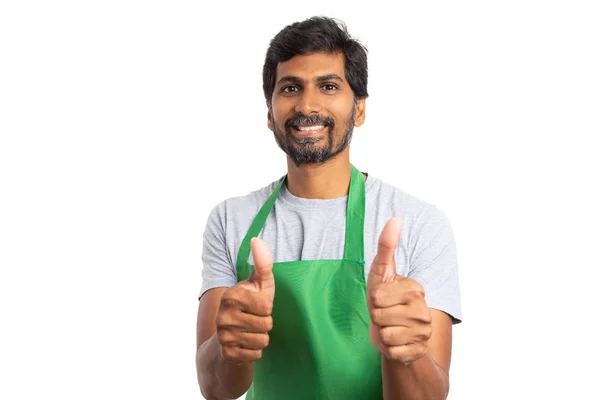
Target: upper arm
(434,265)
(433,262)
(207,311)
(218,270)
(440,342)
(218,273)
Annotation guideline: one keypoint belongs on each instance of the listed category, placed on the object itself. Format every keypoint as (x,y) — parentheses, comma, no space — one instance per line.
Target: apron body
(319,347)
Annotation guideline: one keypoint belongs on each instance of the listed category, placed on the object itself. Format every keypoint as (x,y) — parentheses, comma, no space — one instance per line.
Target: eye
(289,89)
(329,87)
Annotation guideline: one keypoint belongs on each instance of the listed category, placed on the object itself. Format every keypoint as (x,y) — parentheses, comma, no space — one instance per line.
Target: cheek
(276,117)
(342,109)
(281,107)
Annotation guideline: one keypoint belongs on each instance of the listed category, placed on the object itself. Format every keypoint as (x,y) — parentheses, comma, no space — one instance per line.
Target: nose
(309,102)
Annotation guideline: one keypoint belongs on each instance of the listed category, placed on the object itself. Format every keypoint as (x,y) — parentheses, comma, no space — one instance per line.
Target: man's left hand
(400,319)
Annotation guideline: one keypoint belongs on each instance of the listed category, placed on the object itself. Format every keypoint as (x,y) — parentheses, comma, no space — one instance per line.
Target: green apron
(319,347)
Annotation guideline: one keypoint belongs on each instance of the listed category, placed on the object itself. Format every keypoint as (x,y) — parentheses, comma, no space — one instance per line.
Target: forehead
(308,66)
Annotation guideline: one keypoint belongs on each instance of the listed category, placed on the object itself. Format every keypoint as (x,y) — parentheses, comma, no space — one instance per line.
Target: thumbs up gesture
(243,319)
(400,320)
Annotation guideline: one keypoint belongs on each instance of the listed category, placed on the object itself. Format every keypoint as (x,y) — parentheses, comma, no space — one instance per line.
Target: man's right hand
(244,316)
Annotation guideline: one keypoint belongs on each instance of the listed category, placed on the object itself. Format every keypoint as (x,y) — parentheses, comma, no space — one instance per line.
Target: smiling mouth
(308,130)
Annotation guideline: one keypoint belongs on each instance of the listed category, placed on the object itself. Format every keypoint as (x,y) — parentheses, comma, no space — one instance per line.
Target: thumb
(262,276)
(383,268)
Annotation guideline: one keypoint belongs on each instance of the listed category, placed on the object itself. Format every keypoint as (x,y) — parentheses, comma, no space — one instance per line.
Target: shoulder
(421,220)
(239,211)
(398,202)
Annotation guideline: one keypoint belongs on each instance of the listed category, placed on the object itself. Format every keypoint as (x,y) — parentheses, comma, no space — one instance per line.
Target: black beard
(308,153)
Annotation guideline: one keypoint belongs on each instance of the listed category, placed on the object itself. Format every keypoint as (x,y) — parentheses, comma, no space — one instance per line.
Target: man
(350,289)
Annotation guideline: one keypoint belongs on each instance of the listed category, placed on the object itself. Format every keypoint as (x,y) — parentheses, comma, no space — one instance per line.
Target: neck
(320,181)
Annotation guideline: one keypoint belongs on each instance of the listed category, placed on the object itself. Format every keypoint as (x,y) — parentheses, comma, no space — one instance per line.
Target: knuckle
(416,295)
(377,295)
(220,320)
(265,340)
(427,316)
(267,307)
(423,314)
(224,320)
(386,335)
(268,324)
(229,339)
(376,315)
(373,314)
(405,354)
(415,286)
(427,331)
(396,352)
(228,353)
(229,294)
(230,302)
(226,295)
(263,324)
(372,298)
(221,336)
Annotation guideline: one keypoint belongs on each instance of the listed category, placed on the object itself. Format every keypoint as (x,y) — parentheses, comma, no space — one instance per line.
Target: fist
(243,319)
(400,319)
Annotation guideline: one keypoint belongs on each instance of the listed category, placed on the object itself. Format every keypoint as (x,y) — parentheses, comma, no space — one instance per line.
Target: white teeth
(310,128)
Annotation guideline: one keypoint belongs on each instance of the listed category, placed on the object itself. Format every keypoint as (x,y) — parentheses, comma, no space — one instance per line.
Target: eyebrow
(318,79)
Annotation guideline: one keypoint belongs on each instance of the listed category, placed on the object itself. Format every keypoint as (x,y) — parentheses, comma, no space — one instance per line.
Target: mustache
(313,119)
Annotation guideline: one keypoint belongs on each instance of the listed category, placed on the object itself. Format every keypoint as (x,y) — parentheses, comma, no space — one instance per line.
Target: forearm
(221,379)
(421,380)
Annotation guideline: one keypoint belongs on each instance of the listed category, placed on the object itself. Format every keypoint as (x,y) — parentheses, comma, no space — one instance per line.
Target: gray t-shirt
(314,229)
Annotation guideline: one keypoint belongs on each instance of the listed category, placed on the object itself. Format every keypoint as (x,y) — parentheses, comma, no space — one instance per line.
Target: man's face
(313,111)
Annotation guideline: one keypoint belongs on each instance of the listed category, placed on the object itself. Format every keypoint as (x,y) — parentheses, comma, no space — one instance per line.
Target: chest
(294,235)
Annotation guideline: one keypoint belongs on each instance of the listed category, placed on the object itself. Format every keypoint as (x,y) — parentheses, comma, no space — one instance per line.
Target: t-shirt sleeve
(217,268)
(433,262)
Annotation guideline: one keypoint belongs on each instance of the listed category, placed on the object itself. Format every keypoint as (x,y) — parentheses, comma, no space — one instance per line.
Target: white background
(124,122)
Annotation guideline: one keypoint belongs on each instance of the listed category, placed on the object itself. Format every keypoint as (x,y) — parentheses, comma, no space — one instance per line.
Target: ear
(269,116)
(359,118)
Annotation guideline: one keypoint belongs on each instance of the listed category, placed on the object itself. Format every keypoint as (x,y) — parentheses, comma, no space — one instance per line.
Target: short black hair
(313,35)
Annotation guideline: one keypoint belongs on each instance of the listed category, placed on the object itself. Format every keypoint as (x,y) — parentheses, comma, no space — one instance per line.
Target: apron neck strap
(355,216)
(257,225)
